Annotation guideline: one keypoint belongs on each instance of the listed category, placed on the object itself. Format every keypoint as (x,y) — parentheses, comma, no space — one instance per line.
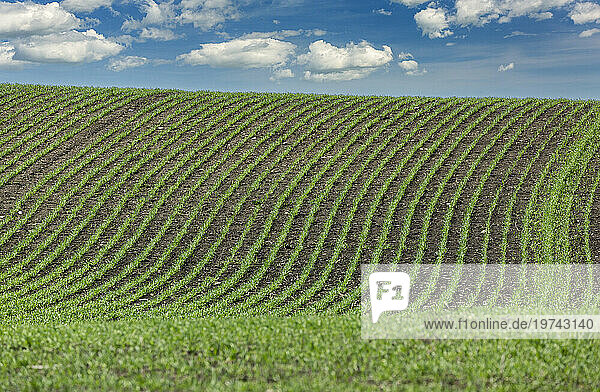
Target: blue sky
(541,48)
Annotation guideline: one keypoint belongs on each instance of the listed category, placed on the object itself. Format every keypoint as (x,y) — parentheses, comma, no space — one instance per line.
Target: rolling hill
(123,204)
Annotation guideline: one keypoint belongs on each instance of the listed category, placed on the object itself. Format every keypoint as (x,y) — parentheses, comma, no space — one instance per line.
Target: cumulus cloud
(585,13)
(536,9)
(155,14)
(349,74)
(203,14)
(433,22)
(207,14)
(279,74)
(532,8)
(22,19)
(85,5)
(67,47)
(411,67)
(241,53)
(127,62)
(157,34)
(7,52)
(326,62)
(507,67)
(589,33)
(480,12)
(437,22)
(205,19)
(541,15)
(475,12)
(323,56)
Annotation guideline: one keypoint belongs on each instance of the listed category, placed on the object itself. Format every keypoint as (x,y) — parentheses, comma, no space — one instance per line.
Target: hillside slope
(119,202)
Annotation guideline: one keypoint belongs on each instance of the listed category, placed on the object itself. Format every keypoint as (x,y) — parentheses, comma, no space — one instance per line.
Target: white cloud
(203,14)
(203,20)
(381,11)
(7,52)
(85,5)
(67,47)
(156,14)
(157,34)
(127,62)
(433,22)
(275,21)
(480,12)
(541,15)
(589,33)
(207,14)
(22,19)
(507,67)
(241,53)
(326,62)
(323,56)
(409,3)
(349,74)
(536,9)
(585,13)
(437,22)
(475,12)
(411,67)
(279,74)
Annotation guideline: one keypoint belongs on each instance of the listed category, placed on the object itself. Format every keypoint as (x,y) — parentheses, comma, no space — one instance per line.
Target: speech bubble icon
(388,291)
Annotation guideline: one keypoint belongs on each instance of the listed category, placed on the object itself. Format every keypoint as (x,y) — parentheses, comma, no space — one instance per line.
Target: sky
(501,48)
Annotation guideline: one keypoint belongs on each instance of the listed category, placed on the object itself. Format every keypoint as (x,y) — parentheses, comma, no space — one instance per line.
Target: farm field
(127,210)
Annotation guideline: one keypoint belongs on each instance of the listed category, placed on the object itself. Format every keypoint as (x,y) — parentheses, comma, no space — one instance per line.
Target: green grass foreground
(310,353)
